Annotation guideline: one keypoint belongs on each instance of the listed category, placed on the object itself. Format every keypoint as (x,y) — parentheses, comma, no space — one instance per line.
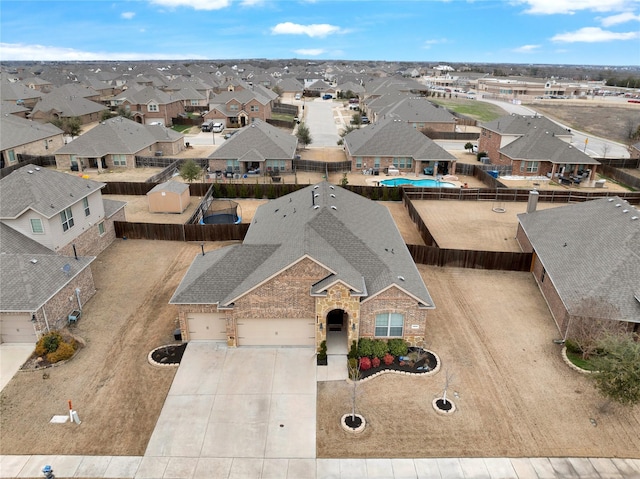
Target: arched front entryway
(337,331)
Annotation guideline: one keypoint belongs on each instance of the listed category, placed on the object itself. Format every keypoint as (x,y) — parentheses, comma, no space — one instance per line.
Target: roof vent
(316,207)
(618,205)
(30,172)
(625,211)
(332,187)
(34,261)
(316,187)
(332,195)
(634,217)
(37,169)
(316,195)
(333,207)
(610,200)
(401,278)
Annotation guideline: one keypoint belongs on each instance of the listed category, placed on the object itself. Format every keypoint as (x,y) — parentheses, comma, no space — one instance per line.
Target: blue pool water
(417,183)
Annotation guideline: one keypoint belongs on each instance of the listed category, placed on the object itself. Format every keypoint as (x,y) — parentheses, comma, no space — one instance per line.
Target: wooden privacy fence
(621,176)
(178,232)
(426,235)
(457,258)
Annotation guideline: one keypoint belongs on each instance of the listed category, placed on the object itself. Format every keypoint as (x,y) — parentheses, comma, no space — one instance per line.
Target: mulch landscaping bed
(422,366)
(171,354)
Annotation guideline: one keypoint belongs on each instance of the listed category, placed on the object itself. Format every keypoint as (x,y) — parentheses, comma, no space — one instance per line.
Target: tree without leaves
(304,135)
(618,376)
(190,171)
(71,126)
(593,320)
(124,113)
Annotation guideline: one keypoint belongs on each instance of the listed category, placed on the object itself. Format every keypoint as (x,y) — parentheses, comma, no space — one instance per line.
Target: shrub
(572,347)
(271,192)
(48,343)
(353,364)
(380,348)
(388,359)
(365,347)
(64,351)
(243,191)
(231,191)
(397,347)
(353,351)
(322,353)
(375,362)
(365,363)
(257,191)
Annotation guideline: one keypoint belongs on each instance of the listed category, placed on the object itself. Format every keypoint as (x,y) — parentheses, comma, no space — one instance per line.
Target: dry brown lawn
(492,331)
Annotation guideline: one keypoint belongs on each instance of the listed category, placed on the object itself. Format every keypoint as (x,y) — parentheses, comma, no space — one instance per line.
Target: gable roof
(67,105)
(146,95)
(18,131)
(520,124)
(42,190)
(413,110)
(353,238)
(118,136)
(257,142)
(394,138)
(541,145)
(241,96)
(590,250)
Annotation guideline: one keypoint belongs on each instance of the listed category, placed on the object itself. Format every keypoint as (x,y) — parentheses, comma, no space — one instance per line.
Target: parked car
(298,96)
(207,125)
(365,120)
(354,100)
(217,127)
(354,107)
(230,134)
(327,96)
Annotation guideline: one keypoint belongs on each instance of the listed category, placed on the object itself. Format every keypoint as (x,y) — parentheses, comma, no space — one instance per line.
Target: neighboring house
(418,112)
(38,288)
(20,94)
(355,88)
(115,143)
(257,148)
(240,107)
(319,87)
(60,105)
(498,133)
(290,86)
(52,225)
(586,261)
(393,144)
(634,151)
(26,137)
(149,105)
(318,261)
(540,153)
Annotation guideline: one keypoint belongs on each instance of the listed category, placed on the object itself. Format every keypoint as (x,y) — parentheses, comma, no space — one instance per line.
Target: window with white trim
(66,216)
(358,162)
(389,325)
(152,107)
(36,226)
(101,228)
(119,160)
(255,108)
(85,205)
(376,162)
(234,107)
(529,166)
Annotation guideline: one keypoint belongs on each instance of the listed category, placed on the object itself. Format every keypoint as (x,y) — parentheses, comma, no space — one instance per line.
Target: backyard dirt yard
(514,395)
(491,330)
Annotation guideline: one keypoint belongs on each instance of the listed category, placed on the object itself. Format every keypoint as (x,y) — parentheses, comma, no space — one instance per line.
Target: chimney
(532,203)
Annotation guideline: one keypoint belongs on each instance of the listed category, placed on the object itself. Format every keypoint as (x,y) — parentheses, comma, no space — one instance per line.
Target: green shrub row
(378,348)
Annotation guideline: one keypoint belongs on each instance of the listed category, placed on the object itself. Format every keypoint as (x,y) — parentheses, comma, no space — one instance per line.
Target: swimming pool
(417,183)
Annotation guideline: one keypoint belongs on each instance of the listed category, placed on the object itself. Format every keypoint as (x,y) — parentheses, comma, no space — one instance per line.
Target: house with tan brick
(59,105)
(52,226)
(416,111)
(394,145)
(149,105)
(115,143)
(26,137)
(241,107)
(586,261)
(319,263)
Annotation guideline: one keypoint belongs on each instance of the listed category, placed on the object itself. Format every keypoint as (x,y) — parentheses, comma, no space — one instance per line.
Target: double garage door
(253,332)
(276,332)
(16,328)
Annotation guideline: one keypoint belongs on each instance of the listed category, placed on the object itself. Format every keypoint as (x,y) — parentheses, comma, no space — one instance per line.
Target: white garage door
(16,328)
(276,332)
(206,326)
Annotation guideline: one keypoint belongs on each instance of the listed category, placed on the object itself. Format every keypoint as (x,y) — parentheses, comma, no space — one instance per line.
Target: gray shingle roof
(268,141)
(521,124)
(590,250)
(18,131)
(542,145)
(12,242)
(118,136)
(394,138)
(45,191)
(67,105)
(354,238)
(30,280)
(145,96)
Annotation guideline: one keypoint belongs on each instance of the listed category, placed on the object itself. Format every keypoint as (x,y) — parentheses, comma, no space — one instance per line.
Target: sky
(585,32)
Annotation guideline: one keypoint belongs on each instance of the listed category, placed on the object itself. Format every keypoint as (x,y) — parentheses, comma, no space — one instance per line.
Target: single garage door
(207,326)
(276,332)
(16,328)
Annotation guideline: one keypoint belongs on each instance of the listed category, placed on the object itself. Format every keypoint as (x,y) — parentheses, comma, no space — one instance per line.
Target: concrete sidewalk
(245,468)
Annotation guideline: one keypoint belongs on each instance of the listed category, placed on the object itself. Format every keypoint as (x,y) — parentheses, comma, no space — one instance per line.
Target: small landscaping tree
(304,135)
(468,146)
(190,171)
(618,369)
(592,322)
(354,374)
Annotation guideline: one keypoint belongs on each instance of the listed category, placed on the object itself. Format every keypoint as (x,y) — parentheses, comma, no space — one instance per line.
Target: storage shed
(169,197)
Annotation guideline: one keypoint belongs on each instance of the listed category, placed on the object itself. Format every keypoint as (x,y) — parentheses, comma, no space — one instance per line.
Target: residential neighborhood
(338,204)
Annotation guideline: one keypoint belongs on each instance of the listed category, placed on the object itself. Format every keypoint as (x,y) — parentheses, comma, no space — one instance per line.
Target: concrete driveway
(254,403)
(12,356)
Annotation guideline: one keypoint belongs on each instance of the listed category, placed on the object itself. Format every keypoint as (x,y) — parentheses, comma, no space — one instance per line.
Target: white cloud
(315,30)
(309,52)
(195,4)
(619,18)
(547,7)
(526,48)
(428,43)
(23,52)
(594,35)
(128,15)
(251,3)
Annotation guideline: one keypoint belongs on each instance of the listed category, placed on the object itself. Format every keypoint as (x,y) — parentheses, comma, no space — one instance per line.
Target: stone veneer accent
(338,297)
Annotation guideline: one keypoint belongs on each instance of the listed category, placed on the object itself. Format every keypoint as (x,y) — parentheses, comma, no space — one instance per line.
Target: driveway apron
(254,403)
